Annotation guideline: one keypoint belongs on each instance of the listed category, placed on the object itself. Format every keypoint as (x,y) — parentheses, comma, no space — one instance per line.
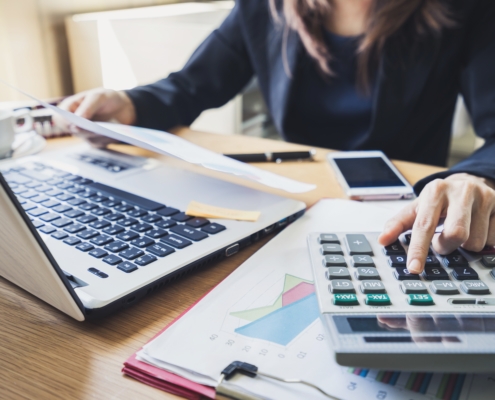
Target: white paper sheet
(169,144)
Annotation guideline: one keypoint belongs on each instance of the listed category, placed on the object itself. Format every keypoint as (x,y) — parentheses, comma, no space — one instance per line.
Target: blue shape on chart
(283,325)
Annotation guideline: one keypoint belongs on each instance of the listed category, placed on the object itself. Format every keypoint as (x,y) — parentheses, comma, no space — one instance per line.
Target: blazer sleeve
(478,90)
(218,70)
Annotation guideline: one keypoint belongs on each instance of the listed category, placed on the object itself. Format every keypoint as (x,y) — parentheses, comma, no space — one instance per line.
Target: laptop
(91,232)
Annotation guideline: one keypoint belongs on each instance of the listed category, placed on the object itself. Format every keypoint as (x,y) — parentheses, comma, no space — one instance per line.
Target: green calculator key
(377,300)
(345,300)
(420,300)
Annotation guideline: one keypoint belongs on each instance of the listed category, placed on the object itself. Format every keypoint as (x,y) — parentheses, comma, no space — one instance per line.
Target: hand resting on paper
(98,105)
(466,202)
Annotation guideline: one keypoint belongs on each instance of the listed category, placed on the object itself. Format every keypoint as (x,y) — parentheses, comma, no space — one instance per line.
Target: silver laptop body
(49,257)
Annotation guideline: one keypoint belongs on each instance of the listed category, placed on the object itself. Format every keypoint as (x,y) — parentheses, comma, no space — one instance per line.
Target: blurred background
(54,48)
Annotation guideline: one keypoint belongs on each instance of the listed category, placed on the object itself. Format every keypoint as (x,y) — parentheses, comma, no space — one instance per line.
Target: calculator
(378,315)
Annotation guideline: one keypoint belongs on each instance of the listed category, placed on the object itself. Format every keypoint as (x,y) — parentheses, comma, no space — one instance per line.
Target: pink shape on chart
(297,293)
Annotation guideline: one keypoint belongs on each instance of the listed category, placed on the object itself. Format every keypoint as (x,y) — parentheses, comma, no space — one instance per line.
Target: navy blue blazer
(413,103)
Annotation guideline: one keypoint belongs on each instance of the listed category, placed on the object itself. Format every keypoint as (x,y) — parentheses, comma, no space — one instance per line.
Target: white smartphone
(369,175)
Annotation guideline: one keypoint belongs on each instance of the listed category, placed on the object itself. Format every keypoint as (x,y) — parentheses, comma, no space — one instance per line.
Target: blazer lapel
(281,80)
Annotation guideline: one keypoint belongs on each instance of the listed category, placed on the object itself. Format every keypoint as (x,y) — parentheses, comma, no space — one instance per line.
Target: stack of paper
(265,313)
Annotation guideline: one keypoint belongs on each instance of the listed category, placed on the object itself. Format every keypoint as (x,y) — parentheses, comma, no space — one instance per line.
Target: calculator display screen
(422,323)
(367,172)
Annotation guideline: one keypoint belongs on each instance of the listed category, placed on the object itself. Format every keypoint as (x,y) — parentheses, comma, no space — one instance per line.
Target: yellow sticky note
(196,209)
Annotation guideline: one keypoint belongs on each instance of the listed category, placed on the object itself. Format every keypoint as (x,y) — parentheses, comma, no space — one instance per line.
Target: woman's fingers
(403,221)
(431,205)
(457,224)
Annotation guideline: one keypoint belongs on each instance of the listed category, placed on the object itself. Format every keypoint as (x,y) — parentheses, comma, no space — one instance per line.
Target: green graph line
(253,314)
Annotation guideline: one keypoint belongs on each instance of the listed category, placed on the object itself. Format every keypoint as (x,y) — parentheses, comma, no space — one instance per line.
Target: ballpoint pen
(274,157)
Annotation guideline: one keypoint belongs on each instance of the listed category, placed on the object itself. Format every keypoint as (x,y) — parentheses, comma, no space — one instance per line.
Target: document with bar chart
(265,313)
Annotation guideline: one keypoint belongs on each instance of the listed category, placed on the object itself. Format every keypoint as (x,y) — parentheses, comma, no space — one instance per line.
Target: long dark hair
(386,18)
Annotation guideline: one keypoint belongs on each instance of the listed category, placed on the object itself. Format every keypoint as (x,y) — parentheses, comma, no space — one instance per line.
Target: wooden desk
(46,355)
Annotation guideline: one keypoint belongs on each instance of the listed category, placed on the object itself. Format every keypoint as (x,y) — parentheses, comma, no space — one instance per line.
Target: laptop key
(141,227)
(131,253)
(181,217)
(88,206)
(45,189)
(99,199)
(38,224)
(87,234)
(88,193)
(112,259)
(72,241)
(142,242)
(166,224)
(213,228)
(100,211)
(114,230)
(98,253)
(160,250)
(74,228)
(197,222)
(50,217)
(50,203)
(62,196)
(152,218)
(145,260)
(86,219)
(123,208)
(112,203)
(99,224)
(85,247)
(77,202)
(168,211)
(59,235)
(157,233)
(74,214)
(176,241)
(128,222)
(128,236)
(116,246)
(29,194)
(48,229)
(62,209)
(189,233)
(113,216)
(61,222)
(36,212)
(137,213)
(127,266)
(29,206)
(101,240)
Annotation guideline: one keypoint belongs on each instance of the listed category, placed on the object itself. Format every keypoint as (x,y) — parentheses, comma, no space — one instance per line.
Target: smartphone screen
(367,172)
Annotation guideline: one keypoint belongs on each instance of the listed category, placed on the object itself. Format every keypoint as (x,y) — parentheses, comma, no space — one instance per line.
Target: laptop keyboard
(120,228)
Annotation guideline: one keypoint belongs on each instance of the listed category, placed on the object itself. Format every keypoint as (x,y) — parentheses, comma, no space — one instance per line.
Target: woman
(352,75)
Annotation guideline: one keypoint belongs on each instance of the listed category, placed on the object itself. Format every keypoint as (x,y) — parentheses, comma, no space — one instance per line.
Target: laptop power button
(231,250)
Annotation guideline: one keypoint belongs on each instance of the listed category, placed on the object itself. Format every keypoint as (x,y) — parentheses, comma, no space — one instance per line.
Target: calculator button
(377,300)
(431,260)
(397,261)
(345,300)
(334,261)
(338,273)
(475,287)
(341,286)
(488,261)
(394,249)
(435,274)
(444,287)
(358,244)
(331,249)
(420,300)
(328,238)
(413,287)
(455,260)
(407,238)
(362,261)
(363,273)
(403,274)
(372,286)
(464,273)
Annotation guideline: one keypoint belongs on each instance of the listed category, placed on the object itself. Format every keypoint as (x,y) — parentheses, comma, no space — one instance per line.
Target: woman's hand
(465,201)
(98,105)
